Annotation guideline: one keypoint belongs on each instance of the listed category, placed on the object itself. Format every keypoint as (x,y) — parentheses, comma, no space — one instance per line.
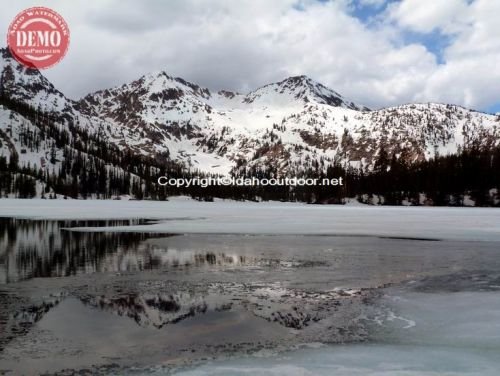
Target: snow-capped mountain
(43,136)
(288,126)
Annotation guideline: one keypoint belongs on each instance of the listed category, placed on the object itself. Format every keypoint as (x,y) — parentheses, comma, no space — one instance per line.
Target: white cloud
(239,45)
(471,74)
(425,16)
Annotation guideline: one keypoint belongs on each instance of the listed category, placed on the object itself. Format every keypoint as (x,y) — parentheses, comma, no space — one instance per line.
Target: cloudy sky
(375,52)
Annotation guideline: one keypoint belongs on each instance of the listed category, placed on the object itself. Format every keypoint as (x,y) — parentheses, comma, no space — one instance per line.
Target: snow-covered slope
(287,127)
(29,86)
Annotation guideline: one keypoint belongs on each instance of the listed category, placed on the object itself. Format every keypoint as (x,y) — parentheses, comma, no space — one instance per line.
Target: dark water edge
(44,248)
(109,303)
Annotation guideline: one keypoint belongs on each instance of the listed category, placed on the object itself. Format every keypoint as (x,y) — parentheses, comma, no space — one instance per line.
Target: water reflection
(154,310)
(44,248)
(41,248)
(20,321)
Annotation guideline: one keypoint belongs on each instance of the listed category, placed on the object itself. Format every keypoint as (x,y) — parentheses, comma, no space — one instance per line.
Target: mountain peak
(28,85)
(302,79)
(304,89)
(160,82)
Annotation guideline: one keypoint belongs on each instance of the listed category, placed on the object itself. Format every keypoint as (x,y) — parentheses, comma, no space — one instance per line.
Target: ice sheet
(360,360)
(188,216)
(453,334)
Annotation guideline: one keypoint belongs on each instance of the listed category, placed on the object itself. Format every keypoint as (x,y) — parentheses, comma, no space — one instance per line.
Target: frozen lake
(182,215)
(181,287)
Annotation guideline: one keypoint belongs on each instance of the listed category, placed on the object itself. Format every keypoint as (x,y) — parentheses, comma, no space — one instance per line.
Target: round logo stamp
(38,37)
